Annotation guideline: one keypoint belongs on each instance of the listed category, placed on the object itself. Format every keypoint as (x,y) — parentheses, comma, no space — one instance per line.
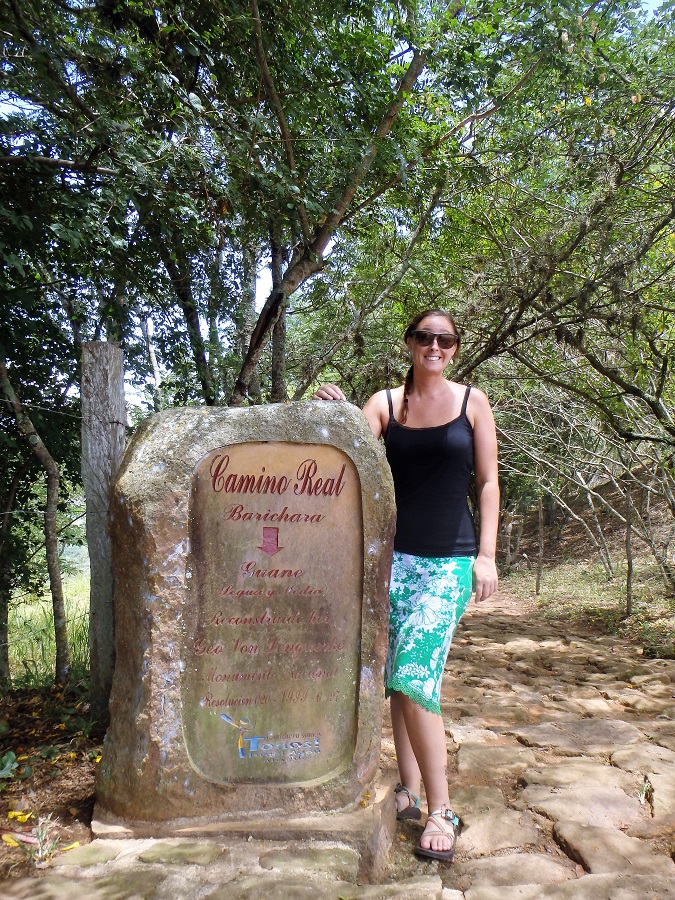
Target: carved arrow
(270,544)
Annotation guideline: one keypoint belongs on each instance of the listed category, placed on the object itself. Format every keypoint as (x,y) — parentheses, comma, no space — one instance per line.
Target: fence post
(103,440)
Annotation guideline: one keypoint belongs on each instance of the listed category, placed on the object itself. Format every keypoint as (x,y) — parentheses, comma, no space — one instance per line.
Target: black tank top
(431,468)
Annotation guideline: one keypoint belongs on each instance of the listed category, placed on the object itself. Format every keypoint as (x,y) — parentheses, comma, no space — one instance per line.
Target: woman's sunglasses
(426,338)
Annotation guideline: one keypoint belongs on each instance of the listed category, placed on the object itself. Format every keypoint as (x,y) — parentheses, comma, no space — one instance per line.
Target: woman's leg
(408,770)
(421,747)
(428,597)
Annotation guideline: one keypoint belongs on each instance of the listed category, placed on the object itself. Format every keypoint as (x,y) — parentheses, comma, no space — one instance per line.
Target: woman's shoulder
(378,411)
(380,398)
(477,406)
(474,392)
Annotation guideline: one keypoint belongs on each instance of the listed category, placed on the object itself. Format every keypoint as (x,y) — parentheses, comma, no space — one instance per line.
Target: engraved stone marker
(272,656)
(252,550)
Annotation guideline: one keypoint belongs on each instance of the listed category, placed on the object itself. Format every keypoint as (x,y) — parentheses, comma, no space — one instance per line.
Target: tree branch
(493,107)
(310,260)
(37,51)
(74,165)
(277,107)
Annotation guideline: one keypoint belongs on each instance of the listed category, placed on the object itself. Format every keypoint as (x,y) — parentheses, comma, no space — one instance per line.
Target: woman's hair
(413,326)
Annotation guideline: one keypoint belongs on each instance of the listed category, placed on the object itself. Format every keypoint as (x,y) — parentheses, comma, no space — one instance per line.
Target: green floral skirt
(428,597)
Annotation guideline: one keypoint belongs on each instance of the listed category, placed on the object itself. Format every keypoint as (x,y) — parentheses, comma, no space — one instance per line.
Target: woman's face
(432,358)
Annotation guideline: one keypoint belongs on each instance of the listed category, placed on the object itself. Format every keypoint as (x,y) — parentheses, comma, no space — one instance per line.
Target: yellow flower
(19,816)
(587,101)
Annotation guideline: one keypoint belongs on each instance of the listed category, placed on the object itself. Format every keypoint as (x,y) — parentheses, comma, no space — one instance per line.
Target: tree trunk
(36,444)
(177,266)
(215,302)
(279,388)
(5,575)
(629,556)
(5,597)
(308,258)
(5,600)
(156,374)
(103,439)
(601,543)
(540,548)
(244,317)
(279,392)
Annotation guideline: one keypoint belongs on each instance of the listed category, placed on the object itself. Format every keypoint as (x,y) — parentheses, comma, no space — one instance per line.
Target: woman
(436,432)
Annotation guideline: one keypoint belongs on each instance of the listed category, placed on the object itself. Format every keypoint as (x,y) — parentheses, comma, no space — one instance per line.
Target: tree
(511,161)
(195,151)
(590,472)
(37,445)
(38,366)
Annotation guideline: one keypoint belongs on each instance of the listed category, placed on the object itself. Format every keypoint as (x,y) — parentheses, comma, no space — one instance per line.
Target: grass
(581,591)
(32,652)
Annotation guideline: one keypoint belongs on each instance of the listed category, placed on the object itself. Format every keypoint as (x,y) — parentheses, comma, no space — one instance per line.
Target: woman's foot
(439,836)
(407,804)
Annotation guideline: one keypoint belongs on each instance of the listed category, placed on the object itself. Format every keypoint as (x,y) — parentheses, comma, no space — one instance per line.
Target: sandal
(447,824)
(412,810)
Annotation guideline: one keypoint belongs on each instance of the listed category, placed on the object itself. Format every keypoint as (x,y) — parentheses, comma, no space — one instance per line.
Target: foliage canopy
(513,161)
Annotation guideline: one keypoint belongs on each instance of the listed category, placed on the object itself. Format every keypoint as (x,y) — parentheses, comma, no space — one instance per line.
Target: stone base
(368,829)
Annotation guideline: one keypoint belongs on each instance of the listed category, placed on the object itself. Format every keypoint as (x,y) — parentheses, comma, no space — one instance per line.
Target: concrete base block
(369,829)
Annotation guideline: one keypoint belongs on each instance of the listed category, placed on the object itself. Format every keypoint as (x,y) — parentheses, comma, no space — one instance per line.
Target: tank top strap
(391,405)
(466,400)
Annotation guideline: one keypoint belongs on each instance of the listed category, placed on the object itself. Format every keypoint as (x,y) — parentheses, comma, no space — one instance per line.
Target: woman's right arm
(328,392)
(376,411)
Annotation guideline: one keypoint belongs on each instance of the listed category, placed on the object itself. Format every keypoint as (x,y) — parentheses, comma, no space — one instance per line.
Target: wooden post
(103,439)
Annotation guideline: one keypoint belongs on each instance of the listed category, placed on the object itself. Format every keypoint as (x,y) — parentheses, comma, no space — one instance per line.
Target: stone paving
(562,769)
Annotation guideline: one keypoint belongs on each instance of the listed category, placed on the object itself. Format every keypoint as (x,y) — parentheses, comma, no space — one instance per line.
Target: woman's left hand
(485,580)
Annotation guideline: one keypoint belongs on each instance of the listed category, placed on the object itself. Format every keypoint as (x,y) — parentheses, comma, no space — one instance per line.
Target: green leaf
(8,764)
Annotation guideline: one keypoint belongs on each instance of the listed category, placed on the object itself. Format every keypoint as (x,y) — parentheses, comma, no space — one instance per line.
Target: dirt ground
(56,751)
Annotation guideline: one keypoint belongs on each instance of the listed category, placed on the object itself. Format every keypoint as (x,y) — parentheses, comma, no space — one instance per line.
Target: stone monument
(252,550)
